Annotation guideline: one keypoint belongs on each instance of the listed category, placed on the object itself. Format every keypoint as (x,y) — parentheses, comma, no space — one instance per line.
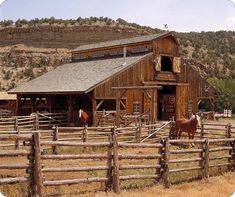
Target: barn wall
(198,88)
(166,46)
(133,76)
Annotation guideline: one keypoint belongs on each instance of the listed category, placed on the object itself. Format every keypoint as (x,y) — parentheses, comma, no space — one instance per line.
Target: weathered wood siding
(132,76)
(198,87)
(166,46)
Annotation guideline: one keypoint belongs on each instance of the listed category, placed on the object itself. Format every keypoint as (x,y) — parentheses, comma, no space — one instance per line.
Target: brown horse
(187,126)
(83,117)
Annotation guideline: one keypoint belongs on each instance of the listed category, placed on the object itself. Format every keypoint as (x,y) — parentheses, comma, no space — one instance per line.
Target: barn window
(136,107)
(166,64)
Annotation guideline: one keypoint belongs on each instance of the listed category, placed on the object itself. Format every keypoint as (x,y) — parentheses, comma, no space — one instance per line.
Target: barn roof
(5,96)
(78,76)
(126,41)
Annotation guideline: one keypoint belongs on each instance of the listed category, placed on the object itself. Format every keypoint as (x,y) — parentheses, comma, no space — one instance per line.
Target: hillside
(31,48)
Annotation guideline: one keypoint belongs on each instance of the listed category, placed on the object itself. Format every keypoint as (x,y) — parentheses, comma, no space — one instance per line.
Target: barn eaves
(78,77)
(127,41)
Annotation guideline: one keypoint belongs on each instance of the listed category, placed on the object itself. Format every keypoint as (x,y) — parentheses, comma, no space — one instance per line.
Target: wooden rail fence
(33,122)
(206,155)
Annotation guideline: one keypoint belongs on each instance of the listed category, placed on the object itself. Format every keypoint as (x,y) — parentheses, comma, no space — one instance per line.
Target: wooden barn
(136,75)
(7,104)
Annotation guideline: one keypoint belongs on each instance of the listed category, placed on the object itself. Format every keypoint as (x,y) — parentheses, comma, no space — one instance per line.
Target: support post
(84,134)
(172,134)
(116,180)
(94,104)
(55,149)
(17,142)
(159,171)
(202,130)
(233,157)
(206,160)
(37,165)
(139,132)
(166,157)
(118,109)
(108,184)
(36,121)
(228,130)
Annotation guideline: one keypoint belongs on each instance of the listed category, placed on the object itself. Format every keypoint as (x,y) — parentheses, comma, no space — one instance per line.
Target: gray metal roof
(77,77)
(122,41)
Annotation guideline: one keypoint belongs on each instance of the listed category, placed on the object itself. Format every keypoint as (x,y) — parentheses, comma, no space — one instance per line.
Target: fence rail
(167,160)
(33,122)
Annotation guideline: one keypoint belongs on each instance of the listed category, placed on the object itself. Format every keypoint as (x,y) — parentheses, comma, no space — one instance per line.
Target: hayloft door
(182,94)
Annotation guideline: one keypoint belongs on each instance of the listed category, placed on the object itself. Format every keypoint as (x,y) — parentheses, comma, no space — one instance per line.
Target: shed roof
(78,76)
(5,96)
(122,41)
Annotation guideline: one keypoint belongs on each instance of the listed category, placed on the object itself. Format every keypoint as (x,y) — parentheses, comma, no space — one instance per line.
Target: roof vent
(124,55)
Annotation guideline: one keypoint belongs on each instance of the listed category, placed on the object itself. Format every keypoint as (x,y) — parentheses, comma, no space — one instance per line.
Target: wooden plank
(15,137)
(147,176)
(139,145)
(74,169)
(73,156)
(185,169)
(13,180)
(144,166)
(13,153)
(75,181)
(81,144)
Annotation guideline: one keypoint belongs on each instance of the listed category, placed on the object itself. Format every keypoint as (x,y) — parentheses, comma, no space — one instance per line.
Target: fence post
(172,134)
(55,149)
(84,134)
(206,159)
(103,118)
(202,130)
(36,121)
(116,181)
(166,156)
(16,124)
(160,160)
(138,134)
(37,165)
(109,164)
(233,156)
(228,130)
(17,142)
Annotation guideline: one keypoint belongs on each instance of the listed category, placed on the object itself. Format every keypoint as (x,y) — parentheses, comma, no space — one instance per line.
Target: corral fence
(201,158)
(33,122)
(108,118)
(132,134)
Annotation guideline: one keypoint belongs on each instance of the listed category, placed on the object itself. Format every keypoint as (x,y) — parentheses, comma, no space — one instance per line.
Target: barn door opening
(166,102)
(81,101)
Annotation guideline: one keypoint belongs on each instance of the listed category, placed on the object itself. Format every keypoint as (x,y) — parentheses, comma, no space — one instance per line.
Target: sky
(180,15)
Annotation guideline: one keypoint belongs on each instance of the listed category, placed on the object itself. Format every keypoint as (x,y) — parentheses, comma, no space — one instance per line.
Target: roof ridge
(122,41)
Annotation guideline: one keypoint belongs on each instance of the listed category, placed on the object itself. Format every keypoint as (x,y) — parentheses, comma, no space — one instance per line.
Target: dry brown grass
(219,186)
